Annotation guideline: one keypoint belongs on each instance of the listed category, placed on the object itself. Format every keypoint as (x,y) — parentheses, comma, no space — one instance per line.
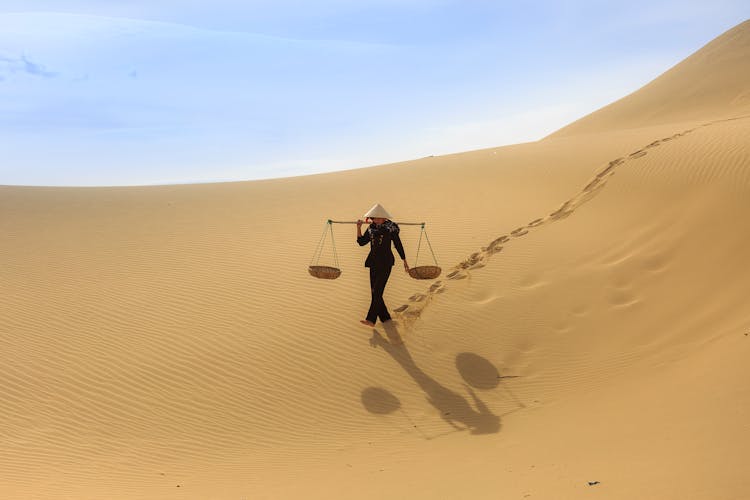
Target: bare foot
(367,323)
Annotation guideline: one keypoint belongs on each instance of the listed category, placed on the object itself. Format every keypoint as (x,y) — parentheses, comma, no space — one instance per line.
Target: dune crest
(713,82)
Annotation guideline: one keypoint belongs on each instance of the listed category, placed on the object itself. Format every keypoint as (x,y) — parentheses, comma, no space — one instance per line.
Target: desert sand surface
(588,337)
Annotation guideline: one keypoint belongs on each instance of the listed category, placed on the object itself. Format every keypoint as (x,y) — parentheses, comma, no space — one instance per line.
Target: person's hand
(406,266)
(359,223)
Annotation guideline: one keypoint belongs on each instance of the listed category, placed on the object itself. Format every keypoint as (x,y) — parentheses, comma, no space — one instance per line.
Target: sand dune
(712,83)
(588,335)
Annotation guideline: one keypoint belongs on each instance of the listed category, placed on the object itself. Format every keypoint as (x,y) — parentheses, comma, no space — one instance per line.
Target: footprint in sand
(456,275)
(610,167)
(492,249)
(535,223)
(638,154)
(474,258)
(593,184)
(653,144)
(519,232)
(495,245)
(471,261)
(563,211)
(415,311)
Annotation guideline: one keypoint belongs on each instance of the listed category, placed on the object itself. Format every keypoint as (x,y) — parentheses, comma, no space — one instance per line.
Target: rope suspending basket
(424,272)
(325,272)
(333,272)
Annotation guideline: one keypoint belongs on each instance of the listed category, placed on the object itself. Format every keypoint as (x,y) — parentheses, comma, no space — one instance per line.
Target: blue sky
(152,92)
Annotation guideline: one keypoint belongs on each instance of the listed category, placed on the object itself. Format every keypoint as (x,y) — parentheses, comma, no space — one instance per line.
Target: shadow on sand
(454,408)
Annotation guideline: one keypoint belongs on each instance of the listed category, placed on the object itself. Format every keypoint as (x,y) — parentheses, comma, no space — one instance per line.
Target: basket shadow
(454,408)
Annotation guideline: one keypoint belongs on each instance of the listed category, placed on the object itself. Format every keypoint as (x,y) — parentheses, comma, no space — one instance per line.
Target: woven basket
(424,272)
(324,272)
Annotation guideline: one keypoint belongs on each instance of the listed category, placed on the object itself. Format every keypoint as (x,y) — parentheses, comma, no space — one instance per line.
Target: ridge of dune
(713,82)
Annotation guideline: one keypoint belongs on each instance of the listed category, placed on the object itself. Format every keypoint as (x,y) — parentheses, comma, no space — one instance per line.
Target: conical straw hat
(377,211)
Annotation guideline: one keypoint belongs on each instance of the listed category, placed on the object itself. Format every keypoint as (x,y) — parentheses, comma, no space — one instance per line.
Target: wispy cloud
(33,68)
(24,65)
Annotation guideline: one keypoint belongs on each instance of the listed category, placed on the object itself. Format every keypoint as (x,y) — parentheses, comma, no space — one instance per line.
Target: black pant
(378,278)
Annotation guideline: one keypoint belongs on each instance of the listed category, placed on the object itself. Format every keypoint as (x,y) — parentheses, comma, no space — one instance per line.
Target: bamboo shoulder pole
(354,222)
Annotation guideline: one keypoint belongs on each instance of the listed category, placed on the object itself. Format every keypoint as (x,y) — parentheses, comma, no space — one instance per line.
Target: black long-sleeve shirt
(380,236)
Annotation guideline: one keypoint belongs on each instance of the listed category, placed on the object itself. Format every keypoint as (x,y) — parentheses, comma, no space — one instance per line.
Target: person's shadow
(453,407)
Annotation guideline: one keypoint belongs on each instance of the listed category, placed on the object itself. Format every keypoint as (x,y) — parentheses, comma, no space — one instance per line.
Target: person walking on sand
(380,260)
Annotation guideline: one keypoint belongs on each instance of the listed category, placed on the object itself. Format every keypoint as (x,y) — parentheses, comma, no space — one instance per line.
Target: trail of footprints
(419,301)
